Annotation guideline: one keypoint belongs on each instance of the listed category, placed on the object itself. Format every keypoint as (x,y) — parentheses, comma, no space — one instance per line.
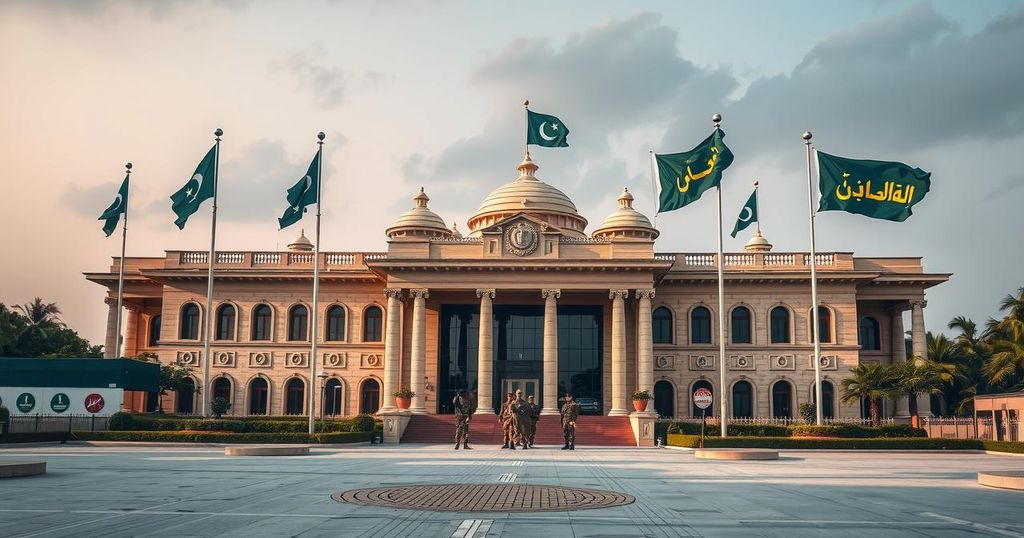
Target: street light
(323,384)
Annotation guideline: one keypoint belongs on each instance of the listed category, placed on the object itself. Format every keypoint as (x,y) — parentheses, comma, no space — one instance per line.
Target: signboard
(702,398)
(26,402)
(94,403)
(60,402)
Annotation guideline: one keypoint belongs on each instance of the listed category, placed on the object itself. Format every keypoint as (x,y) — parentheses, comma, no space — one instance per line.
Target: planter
(403,403)
(640,405)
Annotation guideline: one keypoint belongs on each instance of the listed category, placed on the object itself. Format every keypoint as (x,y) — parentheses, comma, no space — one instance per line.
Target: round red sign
(702,398)
(94,403)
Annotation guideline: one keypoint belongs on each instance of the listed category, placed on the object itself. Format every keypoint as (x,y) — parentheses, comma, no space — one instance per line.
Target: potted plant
(640,399)
(403,398)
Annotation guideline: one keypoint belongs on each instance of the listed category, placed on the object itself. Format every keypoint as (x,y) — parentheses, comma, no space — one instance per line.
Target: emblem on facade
(521,239)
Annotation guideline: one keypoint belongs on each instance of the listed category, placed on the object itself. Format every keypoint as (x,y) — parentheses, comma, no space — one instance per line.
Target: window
(332,397)
(222,388)
(661,325)
(295,392)
(335,324)
(258,396)
(700,326)
(189,322)
(780,325)
(226,322)
(869,334)
(154,330)
(185,398)
(710,411)
(828,397)
(298,323)
(782,400)
(261,321)
(664,399)
(742,400)
(369,401)
(825,323)
(740,325)
(373,324)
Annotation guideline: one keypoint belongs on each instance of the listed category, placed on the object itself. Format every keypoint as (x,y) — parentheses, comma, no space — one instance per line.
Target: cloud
(325,82)
(157,9)
(90,201)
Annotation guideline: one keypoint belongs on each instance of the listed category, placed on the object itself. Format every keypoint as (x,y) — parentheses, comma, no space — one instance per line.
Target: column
(919,346)
(130,345)
(550,399)
(899,354)
(485,354)
(392,349)
(419,350)
(110,343)
(645,343)
(619,388)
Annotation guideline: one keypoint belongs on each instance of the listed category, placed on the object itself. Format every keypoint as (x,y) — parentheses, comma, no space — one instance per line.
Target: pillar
(392,349)
(899,354)
(485,354)
(110,342)
(419,350)
(549,405)
(130,344)
(645,343)
(919,346)
(619,382)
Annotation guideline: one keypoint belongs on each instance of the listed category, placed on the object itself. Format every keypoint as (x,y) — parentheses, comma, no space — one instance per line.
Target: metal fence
(970,428)
(57,423)
(780,421)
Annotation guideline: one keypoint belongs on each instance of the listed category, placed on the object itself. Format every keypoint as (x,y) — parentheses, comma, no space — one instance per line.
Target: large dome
(527,194)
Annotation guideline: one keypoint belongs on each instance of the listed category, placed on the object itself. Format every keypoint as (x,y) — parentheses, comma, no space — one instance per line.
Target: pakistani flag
(747,215)
(117,208)
(685,176)
(302,194)
(545,130)
(201,187)
(877,189)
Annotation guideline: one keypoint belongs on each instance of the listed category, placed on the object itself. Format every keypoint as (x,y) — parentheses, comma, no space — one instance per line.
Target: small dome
(301,243)
(626,222)
(455,231)
(758,243)
(418,221)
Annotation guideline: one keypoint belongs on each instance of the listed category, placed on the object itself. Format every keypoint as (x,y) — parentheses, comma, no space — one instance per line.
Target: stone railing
(184,259)
(759,261)
(582,240)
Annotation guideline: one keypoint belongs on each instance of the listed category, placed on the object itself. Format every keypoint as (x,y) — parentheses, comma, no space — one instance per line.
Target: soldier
(463,412)
(521,418)
(570,412)
(534,417)
(505,417)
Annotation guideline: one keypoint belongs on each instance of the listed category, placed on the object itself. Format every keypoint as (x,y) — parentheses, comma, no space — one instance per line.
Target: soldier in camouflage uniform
(463,412)
(505,417)
(521,418)
(570,412)
(534,417)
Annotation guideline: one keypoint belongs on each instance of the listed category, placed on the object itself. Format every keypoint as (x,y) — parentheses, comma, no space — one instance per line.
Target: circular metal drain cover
(485,498)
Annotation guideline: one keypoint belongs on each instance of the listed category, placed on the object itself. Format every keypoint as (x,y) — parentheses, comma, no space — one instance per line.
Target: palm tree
(1005,367)
(40,313)
(972,353)
(868,381)
(921,376)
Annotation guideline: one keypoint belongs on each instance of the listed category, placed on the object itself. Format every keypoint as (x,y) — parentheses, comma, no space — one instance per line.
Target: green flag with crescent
(685,176)
(303,193)
(877,189)
(197,190)
(747,215)
(545,130)
(117,208)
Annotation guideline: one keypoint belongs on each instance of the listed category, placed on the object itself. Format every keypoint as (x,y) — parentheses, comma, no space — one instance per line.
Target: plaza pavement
(197,491)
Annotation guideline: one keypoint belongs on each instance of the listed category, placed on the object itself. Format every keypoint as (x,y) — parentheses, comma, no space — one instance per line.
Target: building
(600,314)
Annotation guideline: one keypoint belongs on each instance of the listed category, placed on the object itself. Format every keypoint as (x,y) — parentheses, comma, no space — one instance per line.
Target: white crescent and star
(540,131)
(746,214)
(190,194)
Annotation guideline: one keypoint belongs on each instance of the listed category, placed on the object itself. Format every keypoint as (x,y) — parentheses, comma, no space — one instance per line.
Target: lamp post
(323,392)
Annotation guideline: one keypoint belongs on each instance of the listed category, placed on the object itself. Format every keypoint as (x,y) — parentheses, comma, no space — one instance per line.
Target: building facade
(527,299)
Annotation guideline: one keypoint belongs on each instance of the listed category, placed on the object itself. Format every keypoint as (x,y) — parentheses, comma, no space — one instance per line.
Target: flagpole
(654,187)
(816,328)
(211,260)
(316,284)
(717,119)
(526,108)
(757,208)
(120,269)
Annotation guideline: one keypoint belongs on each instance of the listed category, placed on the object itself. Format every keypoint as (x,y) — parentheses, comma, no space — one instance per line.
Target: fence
(57,423)
(969,428)
(781,421)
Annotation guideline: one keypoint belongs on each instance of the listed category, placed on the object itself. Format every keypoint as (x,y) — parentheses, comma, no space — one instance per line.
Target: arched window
(780,325)
(742,400)
(661,325)
(185,398)
(828,399)
(782,399)
(154,330)
(226,322)
(332,397)
(740,325)
(222,388)
(258,396)
(825,323)
(700,326)
(373,324)
(335,324)
(261,322)
(295,391)
(868,332)
(664,399)
(298,323)
(369,401)
(710,411)
(189,322)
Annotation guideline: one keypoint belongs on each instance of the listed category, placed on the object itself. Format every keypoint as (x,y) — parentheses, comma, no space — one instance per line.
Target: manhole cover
(485,498)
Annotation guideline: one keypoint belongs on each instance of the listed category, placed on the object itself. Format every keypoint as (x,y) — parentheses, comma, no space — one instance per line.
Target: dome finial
(625,199)
(421,199)
(527,168)
(758,243)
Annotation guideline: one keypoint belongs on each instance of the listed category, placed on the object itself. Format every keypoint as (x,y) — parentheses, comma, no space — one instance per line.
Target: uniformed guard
(505,417)
(463,412)
(570,412)
(521,419)
(534,417)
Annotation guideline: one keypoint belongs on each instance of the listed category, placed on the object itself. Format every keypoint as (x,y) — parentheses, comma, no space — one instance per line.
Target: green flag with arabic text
(877,189)
(685,176)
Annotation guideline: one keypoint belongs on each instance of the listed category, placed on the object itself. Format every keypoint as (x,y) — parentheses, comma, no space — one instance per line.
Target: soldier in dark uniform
(463,405)
(521,420)
(505,417)
(534,417)
(570,412)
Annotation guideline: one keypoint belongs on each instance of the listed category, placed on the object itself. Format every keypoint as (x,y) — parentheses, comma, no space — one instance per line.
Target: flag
(302,194)
(545,130)
(747,215)
(877,189)
(199,188)
(685,176)
(118,207)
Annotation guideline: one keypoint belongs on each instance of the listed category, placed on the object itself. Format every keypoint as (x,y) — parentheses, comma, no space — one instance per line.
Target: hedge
(133,422)
(34,437)
(906,443)
(795,430)
(751,430)
(221,437)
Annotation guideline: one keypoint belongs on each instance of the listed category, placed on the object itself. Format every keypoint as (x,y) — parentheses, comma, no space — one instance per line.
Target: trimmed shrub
(693,428)
(5,419)
(910,443)
(344,437)
(120,421)
(808,412)
(363,423)
(220,437)
(34,437)
(1004,446)
(901,430)
(236,425)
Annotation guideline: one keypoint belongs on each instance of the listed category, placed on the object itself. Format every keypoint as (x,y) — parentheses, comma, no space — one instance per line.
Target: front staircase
(486,430)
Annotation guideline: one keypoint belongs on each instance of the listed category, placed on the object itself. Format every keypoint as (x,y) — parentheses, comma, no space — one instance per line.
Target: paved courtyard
(197,491)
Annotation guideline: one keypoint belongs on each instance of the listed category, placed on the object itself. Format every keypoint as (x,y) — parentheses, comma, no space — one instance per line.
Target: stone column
(130,345)
(110,342)
(919,346)
(392,349)
(419,350)
(645,343)
(899,354)
(550,399)
(619,382)
(485,354)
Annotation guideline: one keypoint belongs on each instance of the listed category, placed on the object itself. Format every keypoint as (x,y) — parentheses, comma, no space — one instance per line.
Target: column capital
(489,292)
(110,301)
(131,307)
(918,303)
(393,293)
(419,293)
(551,293)
(618,294)
(645,293)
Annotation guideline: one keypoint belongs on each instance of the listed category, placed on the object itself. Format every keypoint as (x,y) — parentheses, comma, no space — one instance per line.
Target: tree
(868,381)
(1005,366)
(34,330)
(174,377)
(40,313)
(919,376)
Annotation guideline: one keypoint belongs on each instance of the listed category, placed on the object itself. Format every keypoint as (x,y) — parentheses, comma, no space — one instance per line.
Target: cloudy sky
(429,94)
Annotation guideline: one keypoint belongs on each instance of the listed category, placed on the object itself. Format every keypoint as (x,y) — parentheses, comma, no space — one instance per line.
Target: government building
(528,299)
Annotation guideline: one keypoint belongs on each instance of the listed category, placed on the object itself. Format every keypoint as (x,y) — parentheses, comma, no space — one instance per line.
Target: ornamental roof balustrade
(760,261)
(187,259)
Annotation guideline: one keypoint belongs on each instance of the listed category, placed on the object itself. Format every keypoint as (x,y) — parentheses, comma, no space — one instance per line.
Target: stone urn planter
(640,405)
(403,403)
(640,399)
(403,398)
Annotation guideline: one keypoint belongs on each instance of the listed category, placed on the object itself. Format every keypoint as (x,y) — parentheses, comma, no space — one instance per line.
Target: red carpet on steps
(486,430)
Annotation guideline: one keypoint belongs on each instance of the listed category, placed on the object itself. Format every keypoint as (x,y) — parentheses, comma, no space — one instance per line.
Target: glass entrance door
(528,386)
